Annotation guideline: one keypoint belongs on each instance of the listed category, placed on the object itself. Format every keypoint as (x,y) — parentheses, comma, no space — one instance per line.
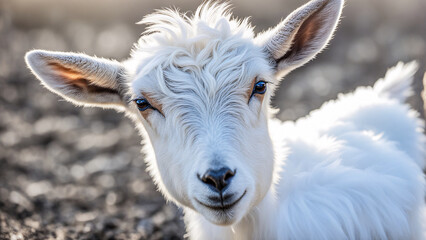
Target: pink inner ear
(307,33)
(70,76)
(65,72)
(77,80)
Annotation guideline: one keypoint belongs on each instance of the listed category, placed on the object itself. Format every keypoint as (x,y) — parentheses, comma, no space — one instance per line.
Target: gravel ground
(73,173)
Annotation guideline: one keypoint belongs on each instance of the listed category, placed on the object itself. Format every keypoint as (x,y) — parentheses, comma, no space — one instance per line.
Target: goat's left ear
(78,78)
(303,34)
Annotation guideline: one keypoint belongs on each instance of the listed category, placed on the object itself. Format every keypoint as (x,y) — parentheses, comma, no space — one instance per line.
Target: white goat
(198,90)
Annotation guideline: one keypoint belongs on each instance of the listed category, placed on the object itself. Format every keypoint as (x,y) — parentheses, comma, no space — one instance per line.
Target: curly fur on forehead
(199,67)
(207,50)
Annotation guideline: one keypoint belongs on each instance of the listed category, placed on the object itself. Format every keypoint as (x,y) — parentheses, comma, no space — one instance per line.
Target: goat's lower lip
(223,207)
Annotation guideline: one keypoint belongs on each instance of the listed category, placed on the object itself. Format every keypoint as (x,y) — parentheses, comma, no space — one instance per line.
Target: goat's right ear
(81,79)
(302,35)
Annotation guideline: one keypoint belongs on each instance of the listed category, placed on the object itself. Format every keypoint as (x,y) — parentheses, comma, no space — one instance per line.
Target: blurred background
(73,173)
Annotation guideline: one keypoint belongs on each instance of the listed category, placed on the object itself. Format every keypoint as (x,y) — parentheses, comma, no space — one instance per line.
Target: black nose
(218,178)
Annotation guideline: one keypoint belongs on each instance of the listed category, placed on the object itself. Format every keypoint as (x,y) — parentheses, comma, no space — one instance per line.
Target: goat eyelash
(134,99)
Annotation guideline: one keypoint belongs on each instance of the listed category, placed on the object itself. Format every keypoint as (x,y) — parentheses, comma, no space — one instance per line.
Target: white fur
(354,168)
(350,170)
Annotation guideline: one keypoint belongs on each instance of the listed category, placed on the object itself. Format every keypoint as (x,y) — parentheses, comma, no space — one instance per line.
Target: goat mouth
(222,207)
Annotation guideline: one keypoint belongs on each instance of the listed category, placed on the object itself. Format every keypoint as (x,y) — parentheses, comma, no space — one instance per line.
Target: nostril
(209,180)
(229,174)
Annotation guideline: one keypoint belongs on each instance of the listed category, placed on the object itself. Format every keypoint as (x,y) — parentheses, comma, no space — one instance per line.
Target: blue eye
(142,104)
(259,87)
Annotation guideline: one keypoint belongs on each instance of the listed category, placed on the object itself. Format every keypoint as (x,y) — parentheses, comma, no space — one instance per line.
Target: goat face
(201,92)
(206,118)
